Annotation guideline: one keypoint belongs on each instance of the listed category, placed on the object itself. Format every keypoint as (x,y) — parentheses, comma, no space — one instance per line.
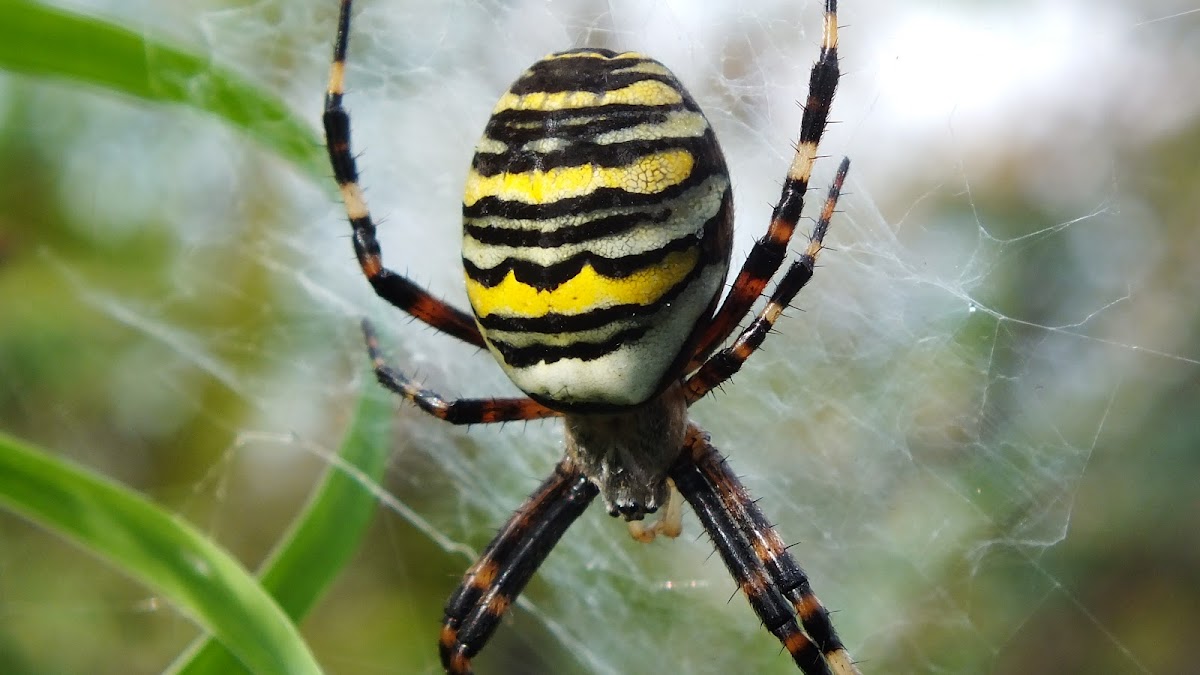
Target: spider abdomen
(596,228)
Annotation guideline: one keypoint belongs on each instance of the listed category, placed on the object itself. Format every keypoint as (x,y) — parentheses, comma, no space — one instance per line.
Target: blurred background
(979,426)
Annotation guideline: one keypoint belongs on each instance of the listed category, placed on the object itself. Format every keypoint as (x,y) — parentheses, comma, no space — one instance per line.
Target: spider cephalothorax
(597,226)
(628,454)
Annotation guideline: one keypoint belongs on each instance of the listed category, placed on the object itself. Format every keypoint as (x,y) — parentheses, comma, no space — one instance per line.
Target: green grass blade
(48,42)
(325,535)
(157,549)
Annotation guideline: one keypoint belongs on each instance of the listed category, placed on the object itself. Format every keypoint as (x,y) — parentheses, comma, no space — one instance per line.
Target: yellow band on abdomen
(648,174)
(584,292)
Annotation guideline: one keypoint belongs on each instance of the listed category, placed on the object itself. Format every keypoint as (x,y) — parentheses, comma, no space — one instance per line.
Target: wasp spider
(597,228)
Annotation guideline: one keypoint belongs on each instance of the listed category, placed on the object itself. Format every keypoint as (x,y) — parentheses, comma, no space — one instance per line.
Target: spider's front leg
(725,363)
(497,578)
(769,252)
(395,288)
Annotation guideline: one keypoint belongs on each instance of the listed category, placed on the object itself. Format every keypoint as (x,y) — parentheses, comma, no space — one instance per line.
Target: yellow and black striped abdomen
(597,224)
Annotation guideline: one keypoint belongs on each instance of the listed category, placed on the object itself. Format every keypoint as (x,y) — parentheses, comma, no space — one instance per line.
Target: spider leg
(395,288)
(497,578)
(768,253)
(457,411)
(728,361)
(773,582)
(743,562)
(785,573)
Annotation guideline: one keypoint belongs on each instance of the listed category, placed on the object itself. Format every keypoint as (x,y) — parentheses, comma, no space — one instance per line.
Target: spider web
(957,425)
